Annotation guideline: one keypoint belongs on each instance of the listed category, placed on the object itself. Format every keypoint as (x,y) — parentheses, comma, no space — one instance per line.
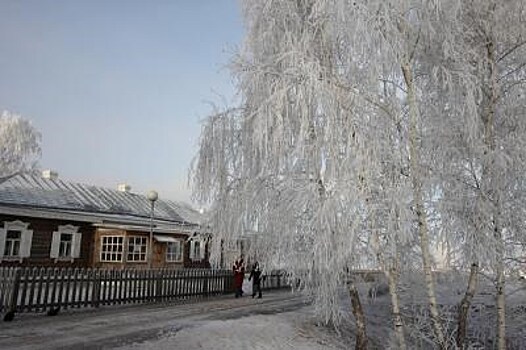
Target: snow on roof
(188,213)
(30,190)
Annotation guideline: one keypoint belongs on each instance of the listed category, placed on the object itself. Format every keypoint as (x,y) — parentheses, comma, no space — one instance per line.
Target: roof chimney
(49,174)
(124,188)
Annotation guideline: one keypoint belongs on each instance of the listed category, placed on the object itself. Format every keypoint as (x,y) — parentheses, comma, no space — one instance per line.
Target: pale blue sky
(117,87)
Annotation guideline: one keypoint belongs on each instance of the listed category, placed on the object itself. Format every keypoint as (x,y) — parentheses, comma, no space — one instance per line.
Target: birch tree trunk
(416,179)
(357,310)
(392,278)
(501,298)
(392,273)
(464,306)
(489,139)
(501,306)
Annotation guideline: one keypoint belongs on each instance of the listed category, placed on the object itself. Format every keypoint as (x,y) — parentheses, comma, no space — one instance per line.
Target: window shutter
(77,239)
(192,250)
(2,241)
(25,243)
(55,244)
(179,250)
(202,250)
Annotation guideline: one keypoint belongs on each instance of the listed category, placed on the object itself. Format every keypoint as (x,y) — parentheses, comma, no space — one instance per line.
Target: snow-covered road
(274,322)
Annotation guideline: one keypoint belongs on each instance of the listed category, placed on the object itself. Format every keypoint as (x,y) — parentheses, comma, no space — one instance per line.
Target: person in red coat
(239,275)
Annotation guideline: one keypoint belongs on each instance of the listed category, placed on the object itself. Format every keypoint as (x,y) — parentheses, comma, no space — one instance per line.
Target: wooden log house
(48,222)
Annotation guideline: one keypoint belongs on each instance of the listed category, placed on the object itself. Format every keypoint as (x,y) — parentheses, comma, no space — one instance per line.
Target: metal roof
(30,190)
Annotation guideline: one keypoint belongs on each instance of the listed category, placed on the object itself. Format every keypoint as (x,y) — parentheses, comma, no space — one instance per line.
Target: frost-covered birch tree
(498,39)
(484,194)
(288,163)
(401,36)
(339,148)
(19,145)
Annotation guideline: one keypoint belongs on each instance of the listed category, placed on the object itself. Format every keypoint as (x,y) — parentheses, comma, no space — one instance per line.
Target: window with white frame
(174,251)
(65,243)
(137,248)
(66,240)
(15,240)
(12,243)
(111,248)
(197,249)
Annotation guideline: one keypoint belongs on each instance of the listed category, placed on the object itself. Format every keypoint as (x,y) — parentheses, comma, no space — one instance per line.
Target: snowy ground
(262,332)
(280,320)
(450,290)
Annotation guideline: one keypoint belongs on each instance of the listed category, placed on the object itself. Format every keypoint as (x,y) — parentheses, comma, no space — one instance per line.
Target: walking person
(255,275)
(239,275)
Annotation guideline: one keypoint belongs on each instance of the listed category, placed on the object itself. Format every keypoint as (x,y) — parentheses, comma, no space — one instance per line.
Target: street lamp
(152,197)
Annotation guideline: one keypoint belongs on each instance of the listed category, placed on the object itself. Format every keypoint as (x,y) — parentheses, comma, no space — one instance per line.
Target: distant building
(45,221)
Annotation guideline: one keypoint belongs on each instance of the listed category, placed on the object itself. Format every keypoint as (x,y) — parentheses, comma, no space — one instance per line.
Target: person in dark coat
(255,276)
(239,274)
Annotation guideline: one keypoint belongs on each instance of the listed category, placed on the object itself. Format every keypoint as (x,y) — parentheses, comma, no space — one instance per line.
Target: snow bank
(261,332)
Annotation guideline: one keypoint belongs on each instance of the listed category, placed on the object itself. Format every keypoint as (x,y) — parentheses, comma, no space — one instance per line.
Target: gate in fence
(51,289)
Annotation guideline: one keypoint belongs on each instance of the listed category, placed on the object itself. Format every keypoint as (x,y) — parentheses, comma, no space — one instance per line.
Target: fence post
(158,286)
(206,278)
(13,297)
(229,279)
(95,294)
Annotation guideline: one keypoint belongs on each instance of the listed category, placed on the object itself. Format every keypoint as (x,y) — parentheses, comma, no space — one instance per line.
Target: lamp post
(152,197)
